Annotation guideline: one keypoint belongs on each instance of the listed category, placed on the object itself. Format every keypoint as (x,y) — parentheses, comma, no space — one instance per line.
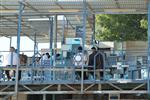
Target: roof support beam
(3,6)
(89,7)
(10,20)
(64,15)
(34,9)
(30,6)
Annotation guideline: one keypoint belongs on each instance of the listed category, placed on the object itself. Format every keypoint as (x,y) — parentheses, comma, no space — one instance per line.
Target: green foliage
(144,23)
(121,27)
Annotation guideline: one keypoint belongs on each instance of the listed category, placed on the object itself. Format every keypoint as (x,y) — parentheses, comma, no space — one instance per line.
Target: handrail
(71,69)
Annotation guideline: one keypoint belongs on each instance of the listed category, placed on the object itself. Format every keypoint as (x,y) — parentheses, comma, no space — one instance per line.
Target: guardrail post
(21,8)
(83,42)
(148,80)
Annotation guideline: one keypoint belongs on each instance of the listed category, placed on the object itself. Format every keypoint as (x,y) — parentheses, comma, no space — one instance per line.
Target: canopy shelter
(36,14)
(33,18)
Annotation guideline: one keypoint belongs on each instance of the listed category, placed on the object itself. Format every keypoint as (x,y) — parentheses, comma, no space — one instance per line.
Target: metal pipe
(51,13)
(44,96)
(93,29)
(77,92)
(95,66)
(63,31)
(55,33)
(51,38)
(51,42)
(53,97)
(10,42)
(63,38)
(83,43)
(148,80)
(33,58)
(69,23)
(55,38)
(34,62)
(55,44)
(50,32)
(104,65)
(21,8)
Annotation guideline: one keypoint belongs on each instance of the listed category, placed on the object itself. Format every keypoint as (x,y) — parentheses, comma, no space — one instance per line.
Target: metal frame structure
(43,9)
(148,83)
(21,8)
(73,87)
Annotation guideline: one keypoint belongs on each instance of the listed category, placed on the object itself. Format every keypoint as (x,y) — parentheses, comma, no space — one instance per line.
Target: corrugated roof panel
(70,0)
(9,2)
(41,3)
(12,7)
(103,4)
(100,0)
(41,0)
(43,8)
(130,1)
(137,6)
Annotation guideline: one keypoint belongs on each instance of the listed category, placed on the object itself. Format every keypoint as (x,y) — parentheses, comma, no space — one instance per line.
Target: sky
(26,45)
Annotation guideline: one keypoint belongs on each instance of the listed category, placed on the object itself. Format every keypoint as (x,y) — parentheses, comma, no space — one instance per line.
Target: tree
(144,23)
(121,27)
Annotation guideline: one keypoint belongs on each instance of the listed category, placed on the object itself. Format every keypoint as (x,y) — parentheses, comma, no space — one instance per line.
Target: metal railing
(115,67)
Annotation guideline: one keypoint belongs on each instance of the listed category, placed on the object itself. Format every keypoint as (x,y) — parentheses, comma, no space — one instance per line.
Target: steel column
(148,80)
(51,32)
(44,96)
(21,8)
(63,38)
(83,42)
(33,57)
(53,97)
(93,29)
(51,38)
(63,31)
(35,46)
(51,42)
(10,42)
(55,38)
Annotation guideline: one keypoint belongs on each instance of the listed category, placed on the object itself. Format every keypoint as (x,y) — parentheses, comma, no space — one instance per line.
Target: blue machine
(70,48)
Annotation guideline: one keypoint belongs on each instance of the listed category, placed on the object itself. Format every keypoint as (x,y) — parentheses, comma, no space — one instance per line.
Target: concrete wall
(83,97)
(134,49)
(20,97)
(136,45)
(137,48)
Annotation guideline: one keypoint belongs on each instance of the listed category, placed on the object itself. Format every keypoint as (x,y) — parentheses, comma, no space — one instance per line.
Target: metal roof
(72,9)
